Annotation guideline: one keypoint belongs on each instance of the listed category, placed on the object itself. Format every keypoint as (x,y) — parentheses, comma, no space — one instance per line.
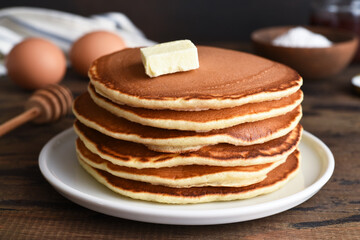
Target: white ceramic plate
(59,166)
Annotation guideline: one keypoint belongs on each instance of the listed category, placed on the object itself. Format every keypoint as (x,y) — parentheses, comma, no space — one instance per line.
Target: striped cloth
(61,28)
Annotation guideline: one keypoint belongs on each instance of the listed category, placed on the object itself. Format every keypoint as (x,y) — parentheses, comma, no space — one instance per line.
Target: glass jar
(340,14)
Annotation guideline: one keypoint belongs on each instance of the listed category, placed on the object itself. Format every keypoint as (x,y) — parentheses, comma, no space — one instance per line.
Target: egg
(92,46)
(35,63)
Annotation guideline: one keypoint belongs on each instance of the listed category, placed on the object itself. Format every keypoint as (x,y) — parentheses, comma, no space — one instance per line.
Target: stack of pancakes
(228,130)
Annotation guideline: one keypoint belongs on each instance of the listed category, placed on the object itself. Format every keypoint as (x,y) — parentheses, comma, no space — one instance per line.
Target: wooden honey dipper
(44,106)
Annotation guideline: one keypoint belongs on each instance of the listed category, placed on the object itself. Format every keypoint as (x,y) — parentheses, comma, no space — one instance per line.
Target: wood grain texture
(31,209)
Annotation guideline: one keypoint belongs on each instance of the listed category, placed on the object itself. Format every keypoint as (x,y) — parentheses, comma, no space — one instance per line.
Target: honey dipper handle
(19,120)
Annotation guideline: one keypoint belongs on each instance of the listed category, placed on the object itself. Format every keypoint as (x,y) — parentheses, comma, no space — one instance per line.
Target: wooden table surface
(32,209)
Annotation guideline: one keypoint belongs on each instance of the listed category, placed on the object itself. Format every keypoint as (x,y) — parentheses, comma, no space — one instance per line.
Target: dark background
(201,21)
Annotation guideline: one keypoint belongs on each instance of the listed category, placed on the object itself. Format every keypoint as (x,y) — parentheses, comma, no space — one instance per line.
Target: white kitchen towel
(61,28)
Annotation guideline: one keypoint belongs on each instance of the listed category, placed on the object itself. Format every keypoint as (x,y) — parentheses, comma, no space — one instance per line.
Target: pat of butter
(170,57)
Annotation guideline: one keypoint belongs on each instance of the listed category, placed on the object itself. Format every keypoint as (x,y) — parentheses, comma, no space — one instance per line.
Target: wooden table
(32,209)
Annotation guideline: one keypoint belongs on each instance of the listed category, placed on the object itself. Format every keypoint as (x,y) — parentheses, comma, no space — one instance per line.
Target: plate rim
(285,203)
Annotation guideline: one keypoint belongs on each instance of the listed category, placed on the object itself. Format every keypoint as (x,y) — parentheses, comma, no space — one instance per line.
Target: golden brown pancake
(183,175)
(200,120)
(225,78)
(158,193)
(136,155)
(88,113)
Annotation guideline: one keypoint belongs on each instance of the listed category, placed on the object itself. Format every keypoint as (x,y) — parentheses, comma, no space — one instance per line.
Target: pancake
(200,120)
(225,78)
(129,154)
(90,114)
(181,176)
(174,149)
(275,179)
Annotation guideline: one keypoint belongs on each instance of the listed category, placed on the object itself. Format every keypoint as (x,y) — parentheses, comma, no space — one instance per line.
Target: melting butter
(170,57)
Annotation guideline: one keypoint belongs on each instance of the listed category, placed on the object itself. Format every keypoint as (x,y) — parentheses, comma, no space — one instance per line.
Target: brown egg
(92,46)
(35,63)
